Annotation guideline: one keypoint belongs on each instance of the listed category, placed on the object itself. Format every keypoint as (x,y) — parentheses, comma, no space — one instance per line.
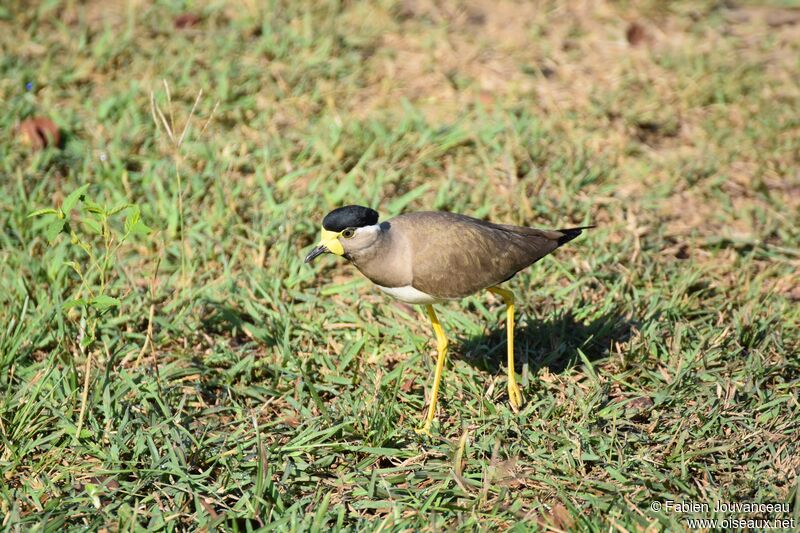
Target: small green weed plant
(98,233)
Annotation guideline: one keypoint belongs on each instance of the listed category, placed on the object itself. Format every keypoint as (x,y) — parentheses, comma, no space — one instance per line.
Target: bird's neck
(385,262)
(383,242)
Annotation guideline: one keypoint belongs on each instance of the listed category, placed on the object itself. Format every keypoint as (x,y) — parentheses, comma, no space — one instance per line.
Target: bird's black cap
(349,216)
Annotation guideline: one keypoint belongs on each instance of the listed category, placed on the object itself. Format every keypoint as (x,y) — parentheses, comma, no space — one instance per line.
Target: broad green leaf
(134,224)
(72,199)
(71,429)
(102,302)
(93,491)
(53,229)
(94,207)
(119,208)
(45,211)
(93,225)
(69,304)
(134,215)
(74,266)
(140,228)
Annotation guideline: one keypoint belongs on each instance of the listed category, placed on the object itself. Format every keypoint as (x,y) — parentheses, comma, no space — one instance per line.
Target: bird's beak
(317,251)
(329,244)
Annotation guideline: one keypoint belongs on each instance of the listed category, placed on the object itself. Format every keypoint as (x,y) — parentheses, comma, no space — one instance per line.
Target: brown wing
(455,255)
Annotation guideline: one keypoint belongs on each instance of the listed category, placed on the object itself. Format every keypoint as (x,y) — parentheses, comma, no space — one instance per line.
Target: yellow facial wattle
(330,240)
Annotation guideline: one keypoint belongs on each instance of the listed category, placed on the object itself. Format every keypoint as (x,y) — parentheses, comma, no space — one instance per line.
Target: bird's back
(455,255)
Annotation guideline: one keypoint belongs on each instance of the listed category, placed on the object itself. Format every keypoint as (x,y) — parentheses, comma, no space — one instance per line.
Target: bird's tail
(571,233)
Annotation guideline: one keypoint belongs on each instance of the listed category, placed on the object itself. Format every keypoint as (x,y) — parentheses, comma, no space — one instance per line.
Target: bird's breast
(409,295)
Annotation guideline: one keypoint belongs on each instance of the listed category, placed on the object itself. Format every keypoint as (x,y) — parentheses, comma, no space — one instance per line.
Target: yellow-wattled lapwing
(432,257)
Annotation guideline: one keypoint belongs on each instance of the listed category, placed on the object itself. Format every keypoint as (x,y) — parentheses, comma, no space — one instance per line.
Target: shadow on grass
(552,343)
(219,318)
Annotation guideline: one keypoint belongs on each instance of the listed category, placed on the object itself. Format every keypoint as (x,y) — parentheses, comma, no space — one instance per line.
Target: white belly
(409,295)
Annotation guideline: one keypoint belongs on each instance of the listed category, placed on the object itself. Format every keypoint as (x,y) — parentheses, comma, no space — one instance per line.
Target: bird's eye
(349,232)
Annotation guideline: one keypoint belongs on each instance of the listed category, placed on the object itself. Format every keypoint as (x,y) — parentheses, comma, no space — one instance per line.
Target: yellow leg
(514,394)
(441,347)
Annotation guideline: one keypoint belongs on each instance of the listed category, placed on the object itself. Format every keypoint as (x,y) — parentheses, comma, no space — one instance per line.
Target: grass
(235,387)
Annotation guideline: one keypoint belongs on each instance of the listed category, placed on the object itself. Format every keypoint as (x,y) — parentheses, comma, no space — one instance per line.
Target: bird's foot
(425,430)
(514,396)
